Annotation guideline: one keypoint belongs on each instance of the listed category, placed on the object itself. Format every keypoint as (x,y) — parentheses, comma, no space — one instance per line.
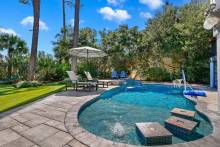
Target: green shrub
(25,84)
(156,74)
(60,71)
(90,67)
(104,75)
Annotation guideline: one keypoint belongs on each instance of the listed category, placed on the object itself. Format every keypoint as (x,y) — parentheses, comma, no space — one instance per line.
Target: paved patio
(42,123)
(52,122)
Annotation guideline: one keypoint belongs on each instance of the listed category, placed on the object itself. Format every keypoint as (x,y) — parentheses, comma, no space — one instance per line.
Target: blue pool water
(114,114)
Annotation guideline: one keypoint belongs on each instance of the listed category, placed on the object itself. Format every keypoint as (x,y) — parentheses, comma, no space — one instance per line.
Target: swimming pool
(114,114)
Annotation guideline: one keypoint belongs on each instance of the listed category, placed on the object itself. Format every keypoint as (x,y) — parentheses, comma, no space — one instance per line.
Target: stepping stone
(7,136)
(39,133)
(180,126)
(154,134)
(57,140)
(183,113)
(20,142)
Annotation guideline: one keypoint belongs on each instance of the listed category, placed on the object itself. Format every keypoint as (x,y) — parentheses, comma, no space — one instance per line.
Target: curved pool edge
(91,140)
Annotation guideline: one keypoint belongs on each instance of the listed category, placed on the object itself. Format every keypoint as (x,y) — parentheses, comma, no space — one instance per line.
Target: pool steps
(182,123)
(183,113)
(179,125)
(152,133)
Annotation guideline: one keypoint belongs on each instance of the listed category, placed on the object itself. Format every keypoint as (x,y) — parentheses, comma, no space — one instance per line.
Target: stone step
(187,114)
(153,133)
(180,125)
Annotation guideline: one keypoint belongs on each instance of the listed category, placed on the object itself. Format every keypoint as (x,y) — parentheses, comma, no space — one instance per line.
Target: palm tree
(33,58)
(35,34)
(14,45)
(64,3)
(64,19)
(76,32)
(76,24)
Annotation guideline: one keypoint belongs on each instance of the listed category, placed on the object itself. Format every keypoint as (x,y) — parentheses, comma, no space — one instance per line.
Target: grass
(11,97)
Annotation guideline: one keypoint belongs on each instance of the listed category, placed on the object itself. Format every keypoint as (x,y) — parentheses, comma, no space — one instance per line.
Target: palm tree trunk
(76,33)
(76,24)
(34,46)
(64,19)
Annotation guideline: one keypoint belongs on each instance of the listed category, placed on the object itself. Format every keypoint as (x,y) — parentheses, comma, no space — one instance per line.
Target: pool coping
(91,140)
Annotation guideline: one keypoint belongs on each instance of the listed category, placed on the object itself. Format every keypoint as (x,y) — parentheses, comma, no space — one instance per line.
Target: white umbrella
(86,52)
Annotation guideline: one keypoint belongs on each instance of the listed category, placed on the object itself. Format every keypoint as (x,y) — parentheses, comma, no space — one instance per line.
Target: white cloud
(153,4)
(114,15)
(115,2)
(8,31)
(29,20)
(146,15)
(72,22)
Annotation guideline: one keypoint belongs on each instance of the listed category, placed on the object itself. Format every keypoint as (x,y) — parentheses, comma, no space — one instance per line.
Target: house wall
(213,72)
(218,64)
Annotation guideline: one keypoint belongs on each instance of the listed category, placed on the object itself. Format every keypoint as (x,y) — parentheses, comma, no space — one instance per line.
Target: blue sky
(17,18)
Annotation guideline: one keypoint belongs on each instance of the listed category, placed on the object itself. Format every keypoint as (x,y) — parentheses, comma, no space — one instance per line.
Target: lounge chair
(99,82)
(177,83)
(114,74)
(123,75)
(74,78)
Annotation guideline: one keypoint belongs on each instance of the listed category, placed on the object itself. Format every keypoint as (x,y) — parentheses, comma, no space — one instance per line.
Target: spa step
(179,125)
(152,133)
(187,114)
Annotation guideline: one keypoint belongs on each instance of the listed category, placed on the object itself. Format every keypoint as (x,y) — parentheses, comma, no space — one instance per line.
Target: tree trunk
(34,46)
(64,19)
(76,33)
(10,62)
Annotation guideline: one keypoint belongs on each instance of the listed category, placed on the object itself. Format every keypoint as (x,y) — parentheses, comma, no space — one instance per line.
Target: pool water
(114,114)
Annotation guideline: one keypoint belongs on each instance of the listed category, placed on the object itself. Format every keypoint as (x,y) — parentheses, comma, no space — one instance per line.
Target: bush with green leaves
(87,66)
(156,74)
(60,71)
(25,84)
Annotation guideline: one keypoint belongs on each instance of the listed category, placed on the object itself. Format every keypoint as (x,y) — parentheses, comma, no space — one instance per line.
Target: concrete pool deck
(53,122)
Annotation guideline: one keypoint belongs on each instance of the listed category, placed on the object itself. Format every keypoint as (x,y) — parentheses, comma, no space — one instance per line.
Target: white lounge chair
(99,82)
(177,83)
(74,78)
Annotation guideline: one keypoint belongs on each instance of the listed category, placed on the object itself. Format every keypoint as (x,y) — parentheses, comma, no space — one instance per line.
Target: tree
(64,19)
(61,47)
(175,38)
(15,47)
(69,3)
(35,35)
(76,32)
(87,37)
(121,45)
(2,68)
(195,42)
(46,67)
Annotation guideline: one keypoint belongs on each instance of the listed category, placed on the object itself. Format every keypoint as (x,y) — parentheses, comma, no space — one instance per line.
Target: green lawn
(11,97)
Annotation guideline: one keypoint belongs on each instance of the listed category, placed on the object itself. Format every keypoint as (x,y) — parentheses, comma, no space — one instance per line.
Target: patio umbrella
(87,52)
